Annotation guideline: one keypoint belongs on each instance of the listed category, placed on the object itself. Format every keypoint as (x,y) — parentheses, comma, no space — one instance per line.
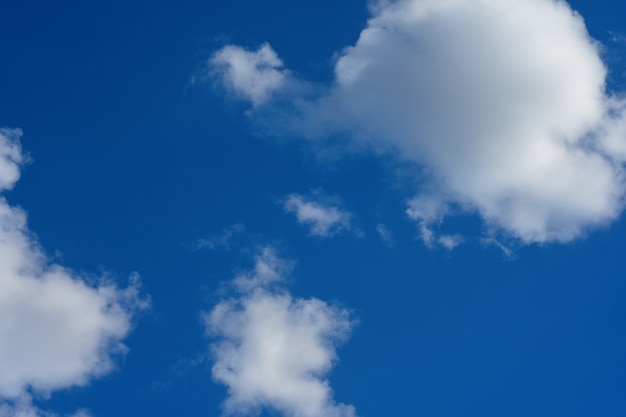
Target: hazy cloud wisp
(324,220)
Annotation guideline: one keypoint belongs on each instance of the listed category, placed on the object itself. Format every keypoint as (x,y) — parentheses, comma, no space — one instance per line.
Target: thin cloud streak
(221,240)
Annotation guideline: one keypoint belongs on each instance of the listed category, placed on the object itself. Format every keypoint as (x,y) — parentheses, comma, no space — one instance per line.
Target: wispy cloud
(503,105)
(57,331)
(385,234)
(323,219)
(273,350)
(429,212)
(221,240)
(269,269)
(506,251)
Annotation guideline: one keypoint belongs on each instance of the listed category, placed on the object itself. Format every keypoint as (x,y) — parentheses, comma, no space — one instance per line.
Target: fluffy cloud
(10,158)
(56,330)
(324,220)
(501,103)
(253,75)
(274,350)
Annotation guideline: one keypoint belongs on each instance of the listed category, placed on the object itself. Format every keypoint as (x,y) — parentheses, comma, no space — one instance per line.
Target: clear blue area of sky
(132,163)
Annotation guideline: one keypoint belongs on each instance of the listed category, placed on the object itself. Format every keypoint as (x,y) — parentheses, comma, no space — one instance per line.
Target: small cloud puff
(252,75)
(269,269)
(427,212)
(323,219)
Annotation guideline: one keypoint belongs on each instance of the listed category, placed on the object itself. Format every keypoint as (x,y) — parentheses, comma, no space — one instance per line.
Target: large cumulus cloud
(503,104)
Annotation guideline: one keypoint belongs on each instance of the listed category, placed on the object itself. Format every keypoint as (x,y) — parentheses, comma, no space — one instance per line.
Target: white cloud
(450,241)
(324,220)
(274,350)
(253,75)
(269,269)
(427,212)
(502,103)
(56,331)
(19,410)
(10,158)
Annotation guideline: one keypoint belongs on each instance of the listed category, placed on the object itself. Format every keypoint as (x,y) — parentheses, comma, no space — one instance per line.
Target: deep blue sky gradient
(132,162)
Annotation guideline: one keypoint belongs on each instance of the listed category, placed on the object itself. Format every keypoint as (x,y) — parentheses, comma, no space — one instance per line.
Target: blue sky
(308,209)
